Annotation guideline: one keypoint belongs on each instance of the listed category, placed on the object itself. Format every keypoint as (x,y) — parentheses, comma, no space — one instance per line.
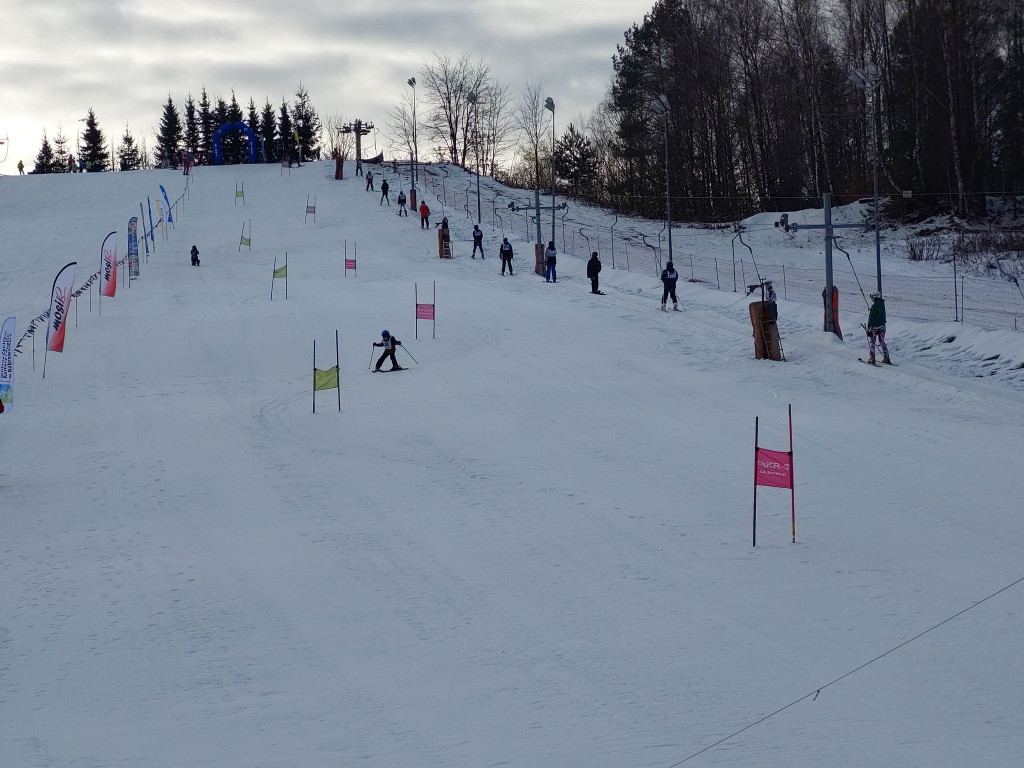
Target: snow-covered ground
(531,549)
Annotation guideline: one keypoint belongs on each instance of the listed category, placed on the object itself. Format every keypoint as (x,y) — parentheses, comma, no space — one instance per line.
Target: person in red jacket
(424,216)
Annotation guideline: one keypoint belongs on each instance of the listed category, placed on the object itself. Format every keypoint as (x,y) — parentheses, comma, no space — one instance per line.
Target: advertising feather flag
(108,266)
(60,303)
(7,365)
(170,215)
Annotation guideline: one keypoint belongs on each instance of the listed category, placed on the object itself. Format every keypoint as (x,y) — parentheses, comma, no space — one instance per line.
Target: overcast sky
(122,58)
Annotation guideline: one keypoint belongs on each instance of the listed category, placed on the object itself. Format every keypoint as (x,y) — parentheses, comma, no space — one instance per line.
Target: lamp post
(549,104)
(474,100)
(868,80)
(660,107)
(415,146)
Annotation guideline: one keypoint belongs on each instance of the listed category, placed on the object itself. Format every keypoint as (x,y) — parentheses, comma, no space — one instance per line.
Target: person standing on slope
(195,256)
(369,181)
(593,270)
(424,215)
(876,329)
(389,343)
(402,210)
(505,252)
(669,276)
(384,193)
(550,259)
(478,241)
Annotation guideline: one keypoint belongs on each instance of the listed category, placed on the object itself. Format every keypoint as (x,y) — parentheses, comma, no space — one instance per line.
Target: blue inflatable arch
(218,153)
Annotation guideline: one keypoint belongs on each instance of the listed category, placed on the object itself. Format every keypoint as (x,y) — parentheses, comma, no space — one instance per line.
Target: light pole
(549,104)
(660,107)
(473,99)
(867,79)
(415,146)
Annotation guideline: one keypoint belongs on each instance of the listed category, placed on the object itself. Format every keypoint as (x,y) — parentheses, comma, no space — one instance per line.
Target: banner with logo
(7,365)
(774,469)
(108,265)
(60,302)
(133,247)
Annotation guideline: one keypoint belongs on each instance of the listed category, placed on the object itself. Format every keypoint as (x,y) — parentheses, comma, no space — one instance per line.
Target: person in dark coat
(424,215)
(593,270)
(505,252)
(369,181)
(669,276)
(384,193)
(550,259)
(876,329)
(478,241)
(402,210)
(389,343)
(195,256)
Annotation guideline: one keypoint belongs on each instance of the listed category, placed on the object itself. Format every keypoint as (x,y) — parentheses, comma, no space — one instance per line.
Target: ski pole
(371,358)
(410,355)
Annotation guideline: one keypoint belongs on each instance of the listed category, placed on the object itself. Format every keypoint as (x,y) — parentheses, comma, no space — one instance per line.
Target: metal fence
(957,298)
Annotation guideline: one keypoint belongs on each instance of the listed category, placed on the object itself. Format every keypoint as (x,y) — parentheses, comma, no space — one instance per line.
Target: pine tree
(206,129)
(191,127)
(45,160)
(306,124)
(576,160)
(93,151)
(168,139)
(129,157)
(285,141)
(235,143)
(268,123)
(61,155)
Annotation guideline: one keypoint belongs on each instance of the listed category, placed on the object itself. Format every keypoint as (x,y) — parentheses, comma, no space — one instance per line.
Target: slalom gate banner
(7,365)
(774,469)
(170,219)
(60,302)
(327,378)
(425,311)
(133,247)
(108,266)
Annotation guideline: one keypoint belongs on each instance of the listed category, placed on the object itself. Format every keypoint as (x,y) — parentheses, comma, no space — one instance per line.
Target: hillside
(533,548)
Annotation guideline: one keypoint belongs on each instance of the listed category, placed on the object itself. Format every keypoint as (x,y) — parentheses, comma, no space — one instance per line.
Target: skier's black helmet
(385,334)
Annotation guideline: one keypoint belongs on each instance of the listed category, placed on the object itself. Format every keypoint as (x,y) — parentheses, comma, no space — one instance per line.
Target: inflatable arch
(218,153)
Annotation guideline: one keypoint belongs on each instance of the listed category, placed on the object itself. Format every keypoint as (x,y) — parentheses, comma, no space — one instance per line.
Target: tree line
(760,112)
(770,103)
(290,130)
(764,115)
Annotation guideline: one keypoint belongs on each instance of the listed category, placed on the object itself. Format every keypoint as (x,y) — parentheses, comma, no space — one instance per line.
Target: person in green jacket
(876,328)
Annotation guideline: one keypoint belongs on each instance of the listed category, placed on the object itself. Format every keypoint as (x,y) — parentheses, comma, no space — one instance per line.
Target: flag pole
(285,274)
(755,482)
(314,375)
(792,474)
(272,278)
(337,362)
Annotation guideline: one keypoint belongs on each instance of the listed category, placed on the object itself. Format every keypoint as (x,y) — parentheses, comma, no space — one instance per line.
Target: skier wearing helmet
(388,342)
(876,329)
